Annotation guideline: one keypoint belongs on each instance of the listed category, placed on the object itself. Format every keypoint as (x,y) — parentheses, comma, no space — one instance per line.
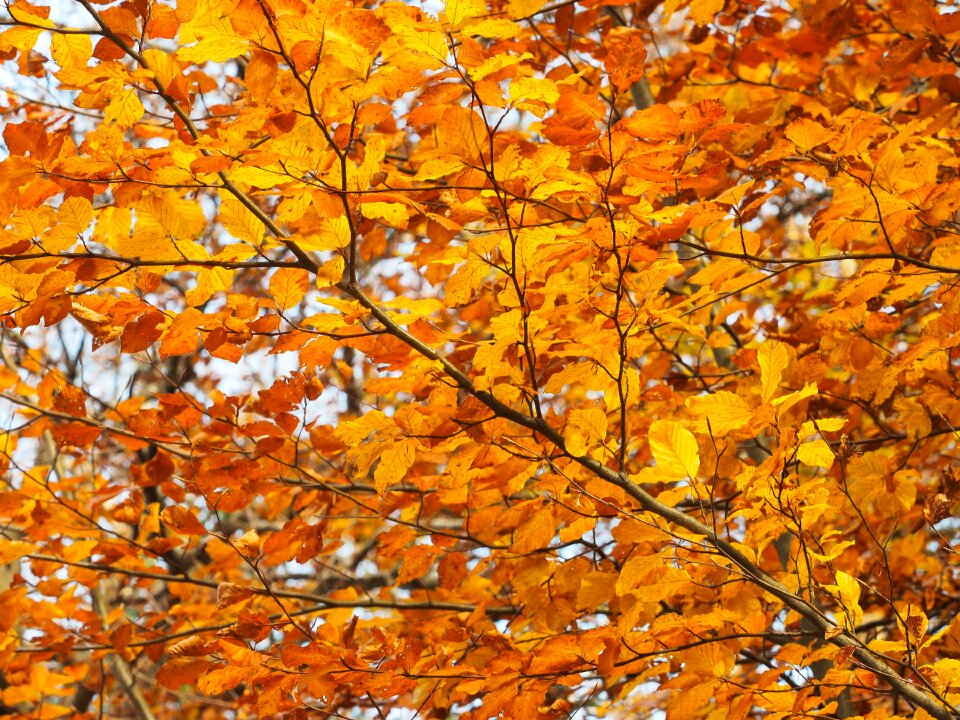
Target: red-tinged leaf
(181,337)
(192,646)
(181,671)
(222,678)
(142,332)
(261,75)
(416,562)
(75,434)
(229,594)
(702,115)
(625,60)
(210,164)
(25,138)
(183,520)
(535,534)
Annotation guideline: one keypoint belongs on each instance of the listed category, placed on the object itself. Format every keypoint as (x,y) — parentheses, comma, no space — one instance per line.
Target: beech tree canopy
(478,359)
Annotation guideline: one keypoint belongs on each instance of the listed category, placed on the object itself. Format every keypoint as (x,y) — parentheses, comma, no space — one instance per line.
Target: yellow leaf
(164,67)
(438,167)
(124,110)
(394,463)
(183,520)
(373,156)
(517,9)
(816,453)
(288,286)
(584,428)
(534,89)
(11,550)
(22,13)
(71,51)
(239,221)
(7,444)
(725,411)
(229,594)
(773,358)
(210,280)
(353,432)
(704,12)
(890,167)
(248,544)
(914,624)
(710,660)
(324,322)
(241,656)
(904,493)
(493,28)
(75,214)
(914,417)
(806,134)
(293,207)
(535,533)
(497,63)
(848,593)
(333,234)
(330,272)
(459,11)
(424,39)
(394,214)
(190,250)
(219,44)
(674,448)
(22,37)
(265,176)
(947,669)
(596,588)
(821,425)
(788,401)
(646,476)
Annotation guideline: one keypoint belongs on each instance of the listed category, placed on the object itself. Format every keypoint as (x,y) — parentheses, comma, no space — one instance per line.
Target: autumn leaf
(721,412)
(288,286)
(181,671)
(848,590)
(773,359)
(816,453)
(674,448)
(395,460)
(584,428)
(183,520)
(229,594)
(807,134)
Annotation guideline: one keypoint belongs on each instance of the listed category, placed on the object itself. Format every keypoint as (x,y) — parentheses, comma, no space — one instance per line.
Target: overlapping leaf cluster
(593,359)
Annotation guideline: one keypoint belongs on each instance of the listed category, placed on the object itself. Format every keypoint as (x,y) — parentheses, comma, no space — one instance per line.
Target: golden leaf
(773,359)
(674,448)
(584,430)
(725,411)
(816,453)
(288,286)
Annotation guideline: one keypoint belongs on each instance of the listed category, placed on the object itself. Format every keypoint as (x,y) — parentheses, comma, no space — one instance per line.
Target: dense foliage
(498,358)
